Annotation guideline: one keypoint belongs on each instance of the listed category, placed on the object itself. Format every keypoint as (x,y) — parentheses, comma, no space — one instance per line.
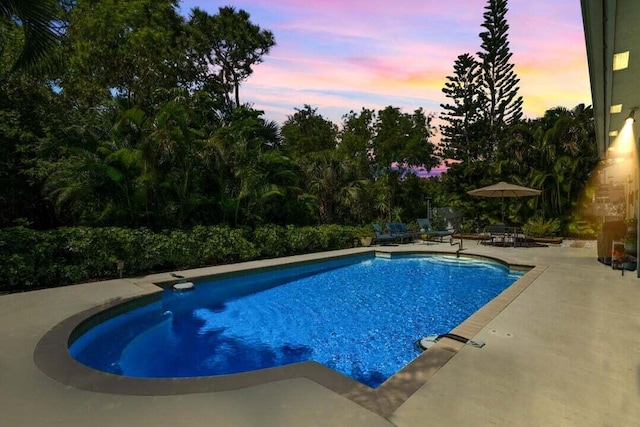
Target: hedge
(31,259)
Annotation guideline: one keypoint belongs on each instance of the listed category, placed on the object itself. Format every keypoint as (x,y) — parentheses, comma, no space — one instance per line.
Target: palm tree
(88,186)
(37,19)
(251,169)
(555,154)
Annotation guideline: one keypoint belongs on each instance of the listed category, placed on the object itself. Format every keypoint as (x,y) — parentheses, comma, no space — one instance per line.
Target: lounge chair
(401,232)
(425,224)
(383,238)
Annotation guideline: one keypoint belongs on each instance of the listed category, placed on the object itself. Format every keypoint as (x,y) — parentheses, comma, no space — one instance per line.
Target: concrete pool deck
(565,352)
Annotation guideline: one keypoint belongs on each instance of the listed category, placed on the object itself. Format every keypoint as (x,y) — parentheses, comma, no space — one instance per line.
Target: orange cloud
(344,55)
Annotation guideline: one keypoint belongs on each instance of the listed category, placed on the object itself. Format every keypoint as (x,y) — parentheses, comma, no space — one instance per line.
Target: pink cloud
(344,55)
(355,8)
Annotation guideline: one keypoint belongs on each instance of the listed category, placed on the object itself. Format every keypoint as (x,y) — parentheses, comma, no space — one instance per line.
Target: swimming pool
(360,316)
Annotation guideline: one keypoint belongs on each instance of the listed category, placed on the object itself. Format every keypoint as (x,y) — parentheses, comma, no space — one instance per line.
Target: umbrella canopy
(502,190)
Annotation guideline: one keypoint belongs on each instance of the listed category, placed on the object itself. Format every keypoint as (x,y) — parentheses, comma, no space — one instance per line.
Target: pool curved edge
(53,358)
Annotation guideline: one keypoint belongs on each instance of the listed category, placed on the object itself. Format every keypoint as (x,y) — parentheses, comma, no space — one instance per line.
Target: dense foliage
(37,35)
(35,259)
(485,140)
(140,124)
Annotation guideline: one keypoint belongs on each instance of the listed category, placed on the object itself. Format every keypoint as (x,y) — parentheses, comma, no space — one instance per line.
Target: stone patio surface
(565,352)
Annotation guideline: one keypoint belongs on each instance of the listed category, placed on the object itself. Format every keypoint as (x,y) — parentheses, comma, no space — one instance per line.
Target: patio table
(514,233)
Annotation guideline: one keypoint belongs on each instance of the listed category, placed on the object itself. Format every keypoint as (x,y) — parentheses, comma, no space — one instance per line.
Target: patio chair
(383,238)
(425,224)
(401,232)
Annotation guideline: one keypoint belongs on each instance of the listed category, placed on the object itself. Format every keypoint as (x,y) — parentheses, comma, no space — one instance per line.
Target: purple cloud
(344,55)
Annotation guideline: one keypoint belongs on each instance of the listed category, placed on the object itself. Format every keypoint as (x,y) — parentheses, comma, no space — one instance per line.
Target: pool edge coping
(53,358)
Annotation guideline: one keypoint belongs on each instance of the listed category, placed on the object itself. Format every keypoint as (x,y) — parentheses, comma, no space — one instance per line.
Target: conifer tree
(499,84)
(461,133)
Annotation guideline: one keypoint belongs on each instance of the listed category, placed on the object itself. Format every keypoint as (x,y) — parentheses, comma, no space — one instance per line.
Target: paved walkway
(566,352)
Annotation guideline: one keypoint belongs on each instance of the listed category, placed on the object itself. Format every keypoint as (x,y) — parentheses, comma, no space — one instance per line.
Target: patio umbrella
(502,190)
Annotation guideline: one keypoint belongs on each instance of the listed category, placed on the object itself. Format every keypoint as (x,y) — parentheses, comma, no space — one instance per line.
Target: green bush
(24,256)
(338,237)
(302,240)
(581,229)
(222,245)
(540,227)
(34,259)
(270,241)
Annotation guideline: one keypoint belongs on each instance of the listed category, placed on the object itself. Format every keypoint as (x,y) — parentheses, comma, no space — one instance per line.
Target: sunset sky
(343,55)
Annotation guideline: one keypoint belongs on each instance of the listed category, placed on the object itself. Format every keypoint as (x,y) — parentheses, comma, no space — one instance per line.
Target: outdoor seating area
(503,235)
(394,232)
(399,233)
(431,233)
(498,234)
(381,237)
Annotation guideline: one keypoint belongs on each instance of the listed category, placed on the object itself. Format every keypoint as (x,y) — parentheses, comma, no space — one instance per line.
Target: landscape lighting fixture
(616,109)
(120,266)
(620,61)
(631,117)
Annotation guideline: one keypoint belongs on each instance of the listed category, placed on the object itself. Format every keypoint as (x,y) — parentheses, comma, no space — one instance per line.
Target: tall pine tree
(462,131)
(498,84)
(483,93)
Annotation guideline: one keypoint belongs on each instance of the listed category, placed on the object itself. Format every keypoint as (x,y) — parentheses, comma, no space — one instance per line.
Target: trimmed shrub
(302,240)
(338,237)
(36,259)
(24,256)
(270,241)
(222,245)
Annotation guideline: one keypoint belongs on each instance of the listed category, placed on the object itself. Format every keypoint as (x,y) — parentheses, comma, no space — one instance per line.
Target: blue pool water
(360,317)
